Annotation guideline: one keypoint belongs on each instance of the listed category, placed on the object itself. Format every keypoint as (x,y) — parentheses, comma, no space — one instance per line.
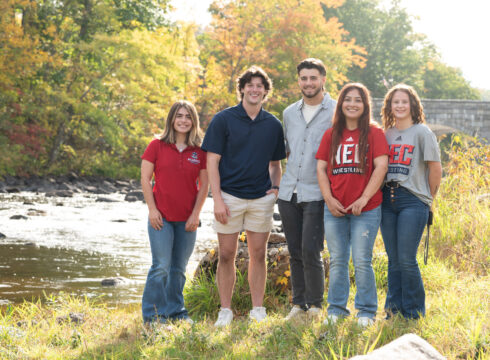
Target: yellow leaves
(430,65)
(212,252)
(281,280)
(287,273)
(242,236)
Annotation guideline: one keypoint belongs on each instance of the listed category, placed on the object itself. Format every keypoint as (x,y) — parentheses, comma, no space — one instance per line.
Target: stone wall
(469,116)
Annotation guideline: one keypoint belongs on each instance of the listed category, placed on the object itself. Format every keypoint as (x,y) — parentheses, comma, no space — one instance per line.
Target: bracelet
(275,187)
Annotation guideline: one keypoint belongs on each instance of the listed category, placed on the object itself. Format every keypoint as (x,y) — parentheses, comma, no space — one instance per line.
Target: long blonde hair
(194,136)
(416,108)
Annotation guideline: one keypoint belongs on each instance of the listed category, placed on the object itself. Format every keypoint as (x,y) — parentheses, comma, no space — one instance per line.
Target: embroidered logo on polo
(400,158)
(399,138)
(350,139)
(194,159)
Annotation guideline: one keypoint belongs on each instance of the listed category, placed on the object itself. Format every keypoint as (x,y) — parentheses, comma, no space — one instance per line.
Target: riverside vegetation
(456,279)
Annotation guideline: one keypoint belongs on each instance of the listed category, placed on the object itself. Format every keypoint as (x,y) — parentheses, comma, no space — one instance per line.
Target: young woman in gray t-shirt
(414,175)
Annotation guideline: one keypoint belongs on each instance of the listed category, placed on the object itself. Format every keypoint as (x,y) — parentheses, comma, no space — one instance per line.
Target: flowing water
(72,244)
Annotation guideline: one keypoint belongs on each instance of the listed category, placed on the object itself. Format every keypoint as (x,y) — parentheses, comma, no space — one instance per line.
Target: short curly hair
(246,77)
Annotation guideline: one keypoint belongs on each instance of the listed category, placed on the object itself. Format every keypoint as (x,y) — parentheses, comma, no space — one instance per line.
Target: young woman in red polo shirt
(352,163)
(178,165)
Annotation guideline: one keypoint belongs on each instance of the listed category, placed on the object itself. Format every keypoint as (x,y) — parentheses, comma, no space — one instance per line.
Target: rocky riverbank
(68,185)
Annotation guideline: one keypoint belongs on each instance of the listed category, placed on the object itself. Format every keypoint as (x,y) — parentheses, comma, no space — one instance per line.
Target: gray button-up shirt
(302,142)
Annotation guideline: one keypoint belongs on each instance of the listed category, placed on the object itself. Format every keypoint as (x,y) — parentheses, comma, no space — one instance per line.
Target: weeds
(456,280)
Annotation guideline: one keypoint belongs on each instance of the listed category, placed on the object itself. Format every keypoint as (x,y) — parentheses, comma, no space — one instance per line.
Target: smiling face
(352,106)
(183,121)
(310,82)
(254,91)
(400,105)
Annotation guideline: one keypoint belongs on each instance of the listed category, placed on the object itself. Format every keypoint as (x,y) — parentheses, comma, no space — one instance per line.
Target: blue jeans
(171,248)
(404,217)
(358,233)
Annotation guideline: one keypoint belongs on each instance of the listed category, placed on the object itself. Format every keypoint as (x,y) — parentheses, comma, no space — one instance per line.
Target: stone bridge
(445,116)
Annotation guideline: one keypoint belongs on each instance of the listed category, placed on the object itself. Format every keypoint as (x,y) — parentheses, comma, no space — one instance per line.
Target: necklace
(181,147)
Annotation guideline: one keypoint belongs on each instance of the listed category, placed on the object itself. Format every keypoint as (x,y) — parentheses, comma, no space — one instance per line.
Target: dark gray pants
(303,228)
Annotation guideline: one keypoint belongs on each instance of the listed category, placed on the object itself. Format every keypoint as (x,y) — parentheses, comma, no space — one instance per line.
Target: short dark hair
(312,63)
(246,77)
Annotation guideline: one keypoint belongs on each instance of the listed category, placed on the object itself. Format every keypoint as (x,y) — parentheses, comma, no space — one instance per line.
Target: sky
(459,29)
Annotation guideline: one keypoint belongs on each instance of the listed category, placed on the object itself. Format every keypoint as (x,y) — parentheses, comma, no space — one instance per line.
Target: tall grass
(461,229)
(456,280)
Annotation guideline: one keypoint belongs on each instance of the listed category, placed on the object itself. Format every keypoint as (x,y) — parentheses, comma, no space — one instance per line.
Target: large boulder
(406,347)
(278,271)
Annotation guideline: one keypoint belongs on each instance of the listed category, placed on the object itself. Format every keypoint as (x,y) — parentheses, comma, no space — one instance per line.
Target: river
(72,244)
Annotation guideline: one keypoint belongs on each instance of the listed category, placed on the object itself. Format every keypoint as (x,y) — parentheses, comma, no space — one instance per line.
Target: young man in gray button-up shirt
(300,200)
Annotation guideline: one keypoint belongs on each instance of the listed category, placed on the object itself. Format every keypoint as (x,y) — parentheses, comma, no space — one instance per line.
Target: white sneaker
(365,321)
(258,313)
(331,319)
(225,316)
(313,312)
(295,313)
(189,320)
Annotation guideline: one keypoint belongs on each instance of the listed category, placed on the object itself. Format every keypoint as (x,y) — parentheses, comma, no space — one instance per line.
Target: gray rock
(138,194)
(113,281)
(2,236)
(76,318)
(276,238)
(276,216)
(31,244)
(119,220)
(18,217)
(59,193)
(131,198)
(104,199)
(12,190)
(36,212)
(406,347)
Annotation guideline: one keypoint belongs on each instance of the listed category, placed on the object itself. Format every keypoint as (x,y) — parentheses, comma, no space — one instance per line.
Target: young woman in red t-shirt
(352,163)
(174,203)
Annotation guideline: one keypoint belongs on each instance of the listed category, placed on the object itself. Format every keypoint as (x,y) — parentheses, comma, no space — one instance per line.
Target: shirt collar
(243,113)
(324,104)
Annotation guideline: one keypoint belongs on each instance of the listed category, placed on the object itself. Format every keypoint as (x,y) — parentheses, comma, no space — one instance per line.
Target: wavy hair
(364,123)
(246,77)
(416,107)
(194,136)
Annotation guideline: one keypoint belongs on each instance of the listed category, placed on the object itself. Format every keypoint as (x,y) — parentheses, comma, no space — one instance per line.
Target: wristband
(275,187)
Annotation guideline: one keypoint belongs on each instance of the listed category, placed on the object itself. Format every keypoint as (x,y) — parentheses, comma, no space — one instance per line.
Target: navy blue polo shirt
(246,147)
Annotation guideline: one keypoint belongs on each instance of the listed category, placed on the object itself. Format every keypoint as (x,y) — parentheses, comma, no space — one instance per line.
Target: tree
(281,34)
(89,82)
(395,53)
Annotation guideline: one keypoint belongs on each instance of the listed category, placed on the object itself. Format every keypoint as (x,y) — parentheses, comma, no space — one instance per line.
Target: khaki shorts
(253,215)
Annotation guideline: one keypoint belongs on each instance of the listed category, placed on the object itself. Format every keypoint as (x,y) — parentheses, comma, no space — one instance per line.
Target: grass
(456,280)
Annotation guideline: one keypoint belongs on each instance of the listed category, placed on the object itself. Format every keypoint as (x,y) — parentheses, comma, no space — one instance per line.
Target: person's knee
(257,254)
(226,256)
(160,269)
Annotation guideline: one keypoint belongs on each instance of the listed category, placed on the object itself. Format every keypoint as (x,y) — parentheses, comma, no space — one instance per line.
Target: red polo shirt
(176,178)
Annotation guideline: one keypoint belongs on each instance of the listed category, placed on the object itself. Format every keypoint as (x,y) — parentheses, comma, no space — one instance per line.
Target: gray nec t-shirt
(409,151)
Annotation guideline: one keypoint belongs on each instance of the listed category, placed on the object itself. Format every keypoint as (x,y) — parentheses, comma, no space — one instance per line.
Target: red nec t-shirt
(176,176)
(346,181)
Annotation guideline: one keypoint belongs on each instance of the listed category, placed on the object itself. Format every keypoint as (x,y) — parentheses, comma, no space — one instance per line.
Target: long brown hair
(363,123)
(194,136)
(416,107)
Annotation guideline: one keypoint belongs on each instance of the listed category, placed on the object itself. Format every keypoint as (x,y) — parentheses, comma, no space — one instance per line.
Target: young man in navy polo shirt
(245,144)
